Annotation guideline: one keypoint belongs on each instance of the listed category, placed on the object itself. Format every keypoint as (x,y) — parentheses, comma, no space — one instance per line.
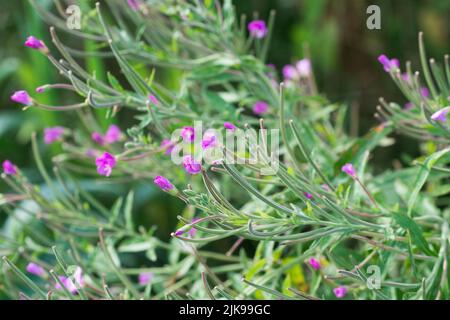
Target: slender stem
(372,199)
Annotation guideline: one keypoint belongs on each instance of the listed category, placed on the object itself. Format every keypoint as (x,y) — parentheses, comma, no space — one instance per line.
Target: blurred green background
(344,54)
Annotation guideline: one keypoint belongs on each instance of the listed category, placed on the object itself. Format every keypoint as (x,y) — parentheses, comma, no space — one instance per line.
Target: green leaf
(115,83)
(136,246)
(415,231)
(217,103)
(423,175)
(129,210)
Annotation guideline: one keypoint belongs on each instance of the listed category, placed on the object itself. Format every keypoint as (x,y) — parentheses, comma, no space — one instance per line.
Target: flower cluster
(302,69)
(112,135)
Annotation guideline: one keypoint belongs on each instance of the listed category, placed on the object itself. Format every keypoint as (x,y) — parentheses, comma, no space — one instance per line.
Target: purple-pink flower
(145,278)
(191,166)
(304,67)
(163,183)
(35,269)
(257,29)
(209,140)
(69,284)
(388,64)
(105,163)
(40,89)
(314,263)
(340,291)
(97,137)
(168,145)
(112,135)
(441,115)
(408,106)
(9,168)
(192,230)
(133,4)
(260,107)
(53,134)
(308,195)
(405,77)
(290,72)
(179,232)
(34,43)
(425,92)
(349,169)
(188,134)
(92,153)
(153,99)
(229,126)
(21,97)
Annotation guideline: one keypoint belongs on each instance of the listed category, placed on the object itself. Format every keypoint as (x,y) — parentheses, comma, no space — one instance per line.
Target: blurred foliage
(343,52)
(342,49)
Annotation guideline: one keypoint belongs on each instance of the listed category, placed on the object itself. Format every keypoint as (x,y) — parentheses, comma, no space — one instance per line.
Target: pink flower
(133,4)
(191,166)
(40,89)
(308,195)
(34,43)
(35,269)
(304,68)
(9,168)
(349,169)
(188,134)
(340,291)
(163,183)
(290,72)
(272,67)
(260,107)
(145,278)
(405,77)
(69,283)
(168,145)
(314,263)
(408,106)
(53,134)
(21,97)
(424,92)
(179,232)
(153,99)
(229,126)
(193,231)
(105,163)
(209,140)
(257,29)
(441,115)
(92,153)
(97,137)
(388,64)
(113,134)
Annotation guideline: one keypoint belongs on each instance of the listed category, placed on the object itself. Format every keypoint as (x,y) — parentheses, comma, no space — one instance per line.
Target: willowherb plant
(323,224)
